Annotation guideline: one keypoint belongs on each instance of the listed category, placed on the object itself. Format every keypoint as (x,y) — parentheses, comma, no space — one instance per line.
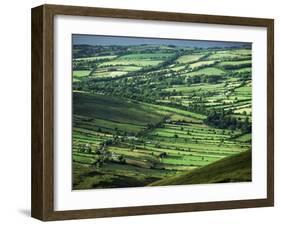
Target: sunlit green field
(78,74)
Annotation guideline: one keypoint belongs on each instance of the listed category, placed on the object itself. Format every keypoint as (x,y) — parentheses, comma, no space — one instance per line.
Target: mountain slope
(235,168)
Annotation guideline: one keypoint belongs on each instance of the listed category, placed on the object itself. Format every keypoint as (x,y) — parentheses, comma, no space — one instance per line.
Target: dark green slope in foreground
(235,168)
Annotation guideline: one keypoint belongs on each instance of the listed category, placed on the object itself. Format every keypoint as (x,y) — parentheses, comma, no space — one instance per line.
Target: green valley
(158,114)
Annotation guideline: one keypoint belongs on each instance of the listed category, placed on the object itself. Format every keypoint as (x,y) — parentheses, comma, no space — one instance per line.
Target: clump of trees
(223,121)
(236,66)
(163,155)
(213,79)
(85,148)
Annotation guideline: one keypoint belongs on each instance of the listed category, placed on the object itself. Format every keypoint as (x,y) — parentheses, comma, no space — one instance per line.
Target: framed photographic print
(141,112)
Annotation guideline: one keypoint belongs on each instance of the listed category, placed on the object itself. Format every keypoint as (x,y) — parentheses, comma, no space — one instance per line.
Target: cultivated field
(145,115)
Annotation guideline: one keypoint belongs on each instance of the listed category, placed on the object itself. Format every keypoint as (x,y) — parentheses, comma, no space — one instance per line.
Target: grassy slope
(235,168)
(115,109)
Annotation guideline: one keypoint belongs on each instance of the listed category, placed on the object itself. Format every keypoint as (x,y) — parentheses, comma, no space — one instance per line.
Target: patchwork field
(144,115)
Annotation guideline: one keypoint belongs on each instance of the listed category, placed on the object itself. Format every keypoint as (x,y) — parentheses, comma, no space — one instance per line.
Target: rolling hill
(235,168)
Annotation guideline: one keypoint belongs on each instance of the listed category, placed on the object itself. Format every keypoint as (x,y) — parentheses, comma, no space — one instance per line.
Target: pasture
(145,115)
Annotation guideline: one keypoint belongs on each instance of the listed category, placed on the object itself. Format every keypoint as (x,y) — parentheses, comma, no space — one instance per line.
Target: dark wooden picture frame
(43,107)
